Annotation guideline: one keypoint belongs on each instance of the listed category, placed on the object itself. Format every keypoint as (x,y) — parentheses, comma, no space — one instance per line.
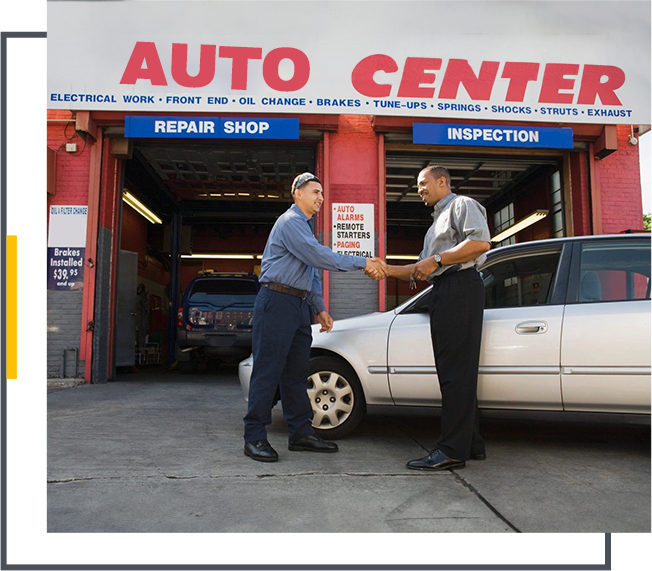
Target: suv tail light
(180,317)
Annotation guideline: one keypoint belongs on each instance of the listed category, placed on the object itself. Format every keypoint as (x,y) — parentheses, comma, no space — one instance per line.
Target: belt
(285,289)
(448,272)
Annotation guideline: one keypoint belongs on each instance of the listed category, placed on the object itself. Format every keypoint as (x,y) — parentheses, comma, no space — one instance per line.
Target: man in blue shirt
(291,292)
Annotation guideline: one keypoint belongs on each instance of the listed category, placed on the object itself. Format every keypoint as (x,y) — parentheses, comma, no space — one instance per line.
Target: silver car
(566,328)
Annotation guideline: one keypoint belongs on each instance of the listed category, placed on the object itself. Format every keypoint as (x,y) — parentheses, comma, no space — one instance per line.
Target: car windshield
(224,293)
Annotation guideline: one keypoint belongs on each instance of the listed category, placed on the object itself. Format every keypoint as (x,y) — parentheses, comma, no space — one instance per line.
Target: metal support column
(175,262)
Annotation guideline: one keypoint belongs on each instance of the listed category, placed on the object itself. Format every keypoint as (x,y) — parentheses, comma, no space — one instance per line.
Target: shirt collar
(443,202)
(294,208)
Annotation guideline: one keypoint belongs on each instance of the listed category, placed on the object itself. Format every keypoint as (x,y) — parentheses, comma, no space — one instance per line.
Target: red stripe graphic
(38,471)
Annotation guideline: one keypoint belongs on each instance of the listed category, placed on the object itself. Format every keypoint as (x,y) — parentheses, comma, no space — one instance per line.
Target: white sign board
(353,229)
(66,247)
(546,61)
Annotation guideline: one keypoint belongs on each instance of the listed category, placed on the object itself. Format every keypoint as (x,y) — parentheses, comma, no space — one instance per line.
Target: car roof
(557,241)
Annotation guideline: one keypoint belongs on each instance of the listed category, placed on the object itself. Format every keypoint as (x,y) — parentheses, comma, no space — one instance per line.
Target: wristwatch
(438,259)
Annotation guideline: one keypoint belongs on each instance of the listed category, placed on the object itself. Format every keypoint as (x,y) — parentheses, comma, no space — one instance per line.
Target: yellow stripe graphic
(19,307)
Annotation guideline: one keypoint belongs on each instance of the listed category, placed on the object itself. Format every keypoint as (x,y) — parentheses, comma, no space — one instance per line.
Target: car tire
(188,367)
(336,396)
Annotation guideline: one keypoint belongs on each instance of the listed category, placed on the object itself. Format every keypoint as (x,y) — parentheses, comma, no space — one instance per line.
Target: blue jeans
(281,349)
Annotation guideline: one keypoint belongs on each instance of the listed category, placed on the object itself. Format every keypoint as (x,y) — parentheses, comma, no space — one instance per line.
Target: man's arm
(464,252)
(298,239)
(400,272)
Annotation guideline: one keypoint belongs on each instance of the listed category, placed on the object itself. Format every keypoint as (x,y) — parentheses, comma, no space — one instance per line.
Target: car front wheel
(336,396)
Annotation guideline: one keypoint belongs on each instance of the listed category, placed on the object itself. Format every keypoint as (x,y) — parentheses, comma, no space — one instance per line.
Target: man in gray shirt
(454,246)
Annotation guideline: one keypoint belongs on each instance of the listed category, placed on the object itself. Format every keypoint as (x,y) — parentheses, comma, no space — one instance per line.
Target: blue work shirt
(293,255)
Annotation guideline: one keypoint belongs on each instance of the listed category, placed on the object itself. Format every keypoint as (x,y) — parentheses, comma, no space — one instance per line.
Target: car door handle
(531,327)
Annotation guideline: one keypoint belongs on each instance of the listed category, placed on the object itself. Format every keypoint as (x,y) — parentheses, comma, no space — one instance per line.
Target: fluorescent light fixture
(243,194)
(139,207)
(520,225)
(401,257)
(220,256)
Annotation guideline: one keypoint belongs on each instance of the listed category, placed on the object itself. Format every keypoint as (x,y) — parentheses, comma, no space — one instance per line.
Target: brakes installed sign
(66,247)
(170,127)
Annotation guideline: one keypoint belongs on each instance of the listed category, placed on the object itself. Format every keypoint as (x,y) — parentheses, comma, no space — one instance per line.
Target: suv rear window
(224,286)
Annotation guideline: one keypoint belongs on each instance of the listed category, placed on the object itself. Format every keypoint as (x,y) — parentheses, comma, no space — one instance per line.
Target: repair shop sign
(353,229)
(170,127)
(66,247)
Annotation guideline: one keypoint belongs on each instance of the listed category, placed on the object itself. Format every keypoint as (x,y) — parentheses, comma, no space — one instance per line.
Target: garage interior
(510,187)
(224,199)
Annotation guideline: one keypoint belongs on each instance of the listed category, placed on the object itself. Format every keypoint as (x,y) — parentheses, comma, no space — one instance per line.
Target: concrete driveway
(162,452)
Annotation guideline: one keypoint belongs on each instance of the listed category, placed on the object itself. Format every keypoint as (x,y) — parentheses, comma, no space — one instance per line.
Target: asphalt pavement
(162,452)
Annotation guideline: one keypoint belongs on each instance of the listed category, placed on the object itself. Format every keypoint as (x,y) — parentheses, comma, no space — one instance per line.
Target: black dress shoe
(434,462)
(312,443)
(260,450)
(478,456)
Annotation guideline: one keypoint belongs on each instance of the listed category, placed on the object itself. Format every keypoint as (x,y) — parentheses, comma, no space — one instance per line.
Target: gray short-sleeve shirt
(455,219)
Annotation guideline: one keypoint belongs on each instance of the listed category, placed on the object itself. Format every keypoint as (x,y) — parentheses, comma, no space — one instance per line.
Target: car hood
(367,321)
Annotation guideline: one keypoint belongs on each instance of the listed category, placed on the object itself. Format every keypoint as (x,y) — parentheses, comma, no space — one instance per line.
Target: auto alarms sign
(527,61)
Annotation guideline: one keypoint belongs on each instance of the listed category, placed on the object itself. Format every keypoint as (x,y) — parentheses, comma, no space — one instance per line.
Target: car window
(520,281)
(419,305)
(614,271)
(224,292)
(224,286)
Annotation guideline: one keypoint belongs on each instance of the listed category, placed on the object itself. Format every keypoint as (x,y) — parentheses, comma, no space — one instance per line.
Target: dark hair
(437,172)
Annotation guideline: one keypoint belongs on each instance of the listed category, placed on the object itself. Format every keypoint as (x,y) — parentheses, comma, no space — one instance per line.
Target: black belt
(285,289)
(448,272)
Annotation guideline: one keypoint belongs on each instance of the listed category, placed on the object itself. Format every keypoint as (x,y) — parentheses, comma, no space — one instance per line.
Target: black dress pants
(456,305)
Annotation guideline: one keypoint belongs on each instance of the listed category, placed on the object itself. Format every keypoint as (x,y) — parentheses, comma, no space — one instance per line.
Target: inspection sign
(66,247)
(171,126)
(492,136)
(353,229)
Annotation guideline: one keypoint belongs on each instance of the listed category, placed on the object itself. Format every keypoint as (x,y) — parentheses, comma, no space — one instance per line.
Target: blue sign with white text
(492,136)
(175,127)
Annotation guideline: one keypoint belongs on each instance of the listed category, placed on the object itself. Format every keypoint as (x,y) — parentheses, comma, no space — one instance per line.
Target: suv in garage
(215,318)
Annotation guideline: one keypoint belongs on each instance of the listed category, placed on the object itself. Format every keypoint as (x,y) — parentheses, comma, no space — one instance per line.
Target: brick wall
(580,194)
(71,188)
(620,187)
(353,178)
(64,330)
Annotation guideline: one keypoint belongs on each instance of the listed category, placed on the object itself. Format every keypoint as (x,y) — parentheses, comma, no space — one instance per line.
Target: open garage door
(511,187)
(210,208)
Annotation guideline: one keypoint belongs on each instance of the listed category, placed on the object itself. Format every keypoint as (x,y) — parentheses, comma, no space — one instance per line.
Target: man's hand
(424,268)
(376,268)
(326,321)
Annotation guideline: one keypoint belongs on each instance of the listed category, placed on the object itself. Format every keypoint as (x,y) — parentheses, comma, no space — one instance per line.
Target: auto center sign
(525,61)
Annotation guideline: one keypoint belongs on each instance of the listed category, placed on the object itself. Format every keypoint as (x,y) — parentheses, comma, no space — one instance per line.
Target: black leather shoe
(260,450)
(312,444)
(434,462)
(479,456)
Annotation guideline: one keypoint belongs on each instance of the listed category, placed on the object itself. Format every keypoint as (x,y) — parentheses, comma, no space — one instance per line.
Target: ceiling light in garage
(139,207)
(401,257)
(520,225)
(220,256)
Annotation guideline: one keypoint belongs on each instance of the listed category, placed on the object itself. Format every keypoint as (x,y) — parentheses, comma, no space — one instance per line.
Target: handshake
(376,269)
